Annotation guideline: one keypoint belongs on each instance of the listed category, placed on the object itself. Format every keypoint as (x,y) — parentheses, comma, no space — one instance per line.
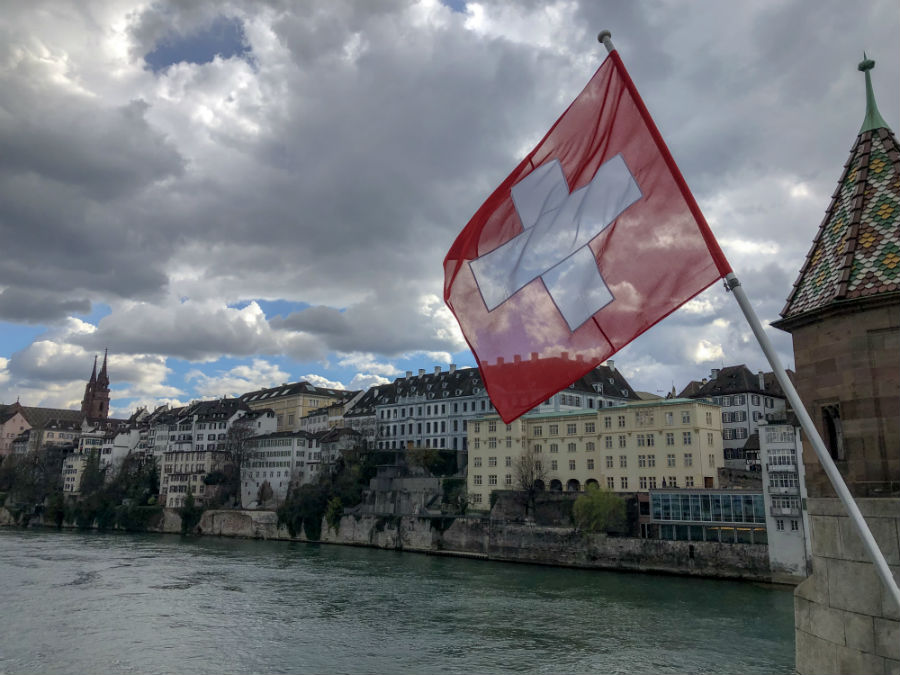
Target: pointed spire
(104,378)
(94,371)
(873,119)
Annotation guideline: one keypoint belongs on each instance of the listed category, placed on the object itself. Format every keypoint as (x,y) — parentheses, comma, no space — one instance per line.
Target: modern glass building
(727,516)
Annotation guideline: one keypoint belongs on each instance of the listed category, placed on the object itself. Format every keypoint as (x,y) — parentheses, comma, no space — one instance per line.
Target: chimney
(421,372)
(762,381)
(452,367)
(499,360)
(714,374)
(611,364)
(408,374)
(534,356)
(437,370)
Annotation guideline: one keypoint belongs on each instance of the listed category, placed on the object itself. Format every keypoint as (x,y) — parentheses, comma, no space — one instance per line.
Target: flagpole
(806,423)
(733,284)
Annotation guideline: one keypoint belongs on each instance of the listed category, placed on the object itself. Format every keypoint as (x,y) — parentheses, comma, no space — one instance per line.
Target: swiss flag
(591,240)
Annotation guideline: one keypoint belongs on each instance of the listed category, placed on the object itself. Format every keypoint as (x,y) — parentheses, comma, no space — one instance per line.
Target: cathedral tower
(95,404)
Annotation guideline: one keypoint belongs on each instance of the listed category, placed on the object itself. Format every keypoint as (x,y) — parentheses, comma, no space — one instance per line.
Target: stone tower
(95,404)
(844,317)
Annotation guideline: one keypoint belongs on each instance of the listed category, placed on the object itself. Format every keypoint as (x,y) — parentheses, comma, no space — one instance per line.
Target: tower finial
(873,119)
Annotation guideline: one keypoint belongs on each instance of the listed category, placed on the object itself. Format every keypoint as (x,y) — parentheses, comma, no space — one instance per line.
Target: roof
(294,389)
(856,252)
(41,417)
(739,380)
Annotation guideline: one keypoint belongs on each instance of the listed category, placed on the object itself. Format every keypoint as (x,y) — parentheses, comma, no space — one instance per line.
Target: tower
(95,404)
(844,318)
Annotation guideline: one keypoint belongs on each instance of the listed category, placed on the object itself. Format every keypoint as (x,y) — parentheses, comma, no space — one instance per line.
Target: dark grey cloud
(27,306)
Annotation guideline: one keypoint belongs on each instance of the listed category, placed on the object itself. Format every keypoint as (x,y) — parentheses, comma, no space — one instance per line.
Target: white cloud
(238,380)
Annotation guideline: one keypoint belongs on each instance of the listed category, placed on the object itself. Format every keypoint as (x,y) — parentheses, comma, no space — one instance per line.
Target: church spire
(94,371)
(873,119)
(104,378)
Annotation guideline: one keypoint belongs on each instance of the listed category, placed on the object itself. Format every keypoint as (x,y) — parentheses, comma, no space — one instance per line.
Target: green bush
(598,510)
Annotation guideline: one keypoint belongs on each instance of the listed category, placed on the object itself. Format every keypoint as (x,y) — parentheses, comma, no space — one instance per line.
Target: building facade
(784,490)
(293,402)
(632,448)
(283,460)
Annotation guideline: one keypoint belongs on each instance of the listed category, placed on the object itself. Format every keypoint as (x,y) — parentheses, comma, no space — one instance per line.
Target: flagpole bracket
(731,282)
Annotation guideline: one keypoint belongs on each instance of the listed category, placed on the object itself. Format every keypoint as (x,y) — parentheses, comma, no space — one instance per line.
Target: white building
(784,490)
(283,459)
(746,400)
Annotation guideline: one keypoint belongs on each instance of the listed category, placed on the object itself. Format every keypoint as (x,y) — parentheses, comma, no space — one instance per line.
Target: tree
(529,477)
(229,487)
(598,510)
(190,514)
(264,494)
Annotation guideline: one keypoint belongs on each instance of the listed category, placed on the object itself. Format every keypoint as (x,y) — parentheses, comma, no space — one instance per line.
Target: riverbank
(482,538)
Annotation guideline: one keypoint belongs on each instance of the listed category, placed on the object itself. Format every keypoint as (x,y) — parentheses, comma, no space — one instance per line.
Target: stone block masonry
(845,621)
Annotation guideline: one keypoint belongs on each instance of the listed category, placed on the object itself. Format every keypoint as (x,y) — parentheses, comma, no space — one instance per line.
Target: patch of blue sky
(16,336)
(455,5)
(98,311)
(272,308)
(224,37)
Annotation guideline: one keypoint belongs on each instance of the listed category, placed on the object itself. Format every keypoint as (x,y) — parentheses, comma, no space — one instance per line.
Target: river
(99,603)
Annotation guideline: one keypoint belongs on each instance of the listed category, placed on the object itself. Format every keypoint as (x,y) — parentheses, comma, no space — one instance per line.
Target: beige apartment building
(292,402)
(631,448)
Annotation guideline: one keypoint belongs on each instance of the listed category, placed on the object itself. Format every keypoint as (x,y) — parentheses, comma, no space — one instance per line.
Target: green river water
(120,603)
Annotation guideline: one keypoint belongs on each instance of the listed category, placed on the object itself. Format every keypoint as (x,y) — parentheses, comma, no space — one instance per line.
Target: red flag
(590,241)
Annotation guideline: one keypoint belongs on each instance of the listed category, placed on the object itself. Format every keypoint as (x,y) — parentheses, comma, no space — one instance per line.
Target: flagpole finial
(604,39)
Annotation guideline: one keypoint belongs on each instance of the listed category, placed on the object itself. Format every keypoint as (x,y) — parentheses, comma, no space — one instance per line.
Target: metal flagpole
(806,423)
(812,435)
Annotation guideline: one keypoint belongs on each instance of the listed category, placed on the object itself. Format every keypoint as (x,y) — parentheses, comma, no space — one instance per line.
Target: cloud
(239,380)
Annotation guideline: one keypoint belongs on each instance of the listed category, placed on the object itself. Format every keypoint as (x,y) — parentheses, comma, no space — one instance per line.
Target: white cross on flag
(590,241)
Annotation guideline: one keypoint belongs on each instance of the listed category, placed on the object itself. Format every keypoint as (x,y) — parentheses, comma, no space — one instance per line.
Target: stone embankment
(495,540)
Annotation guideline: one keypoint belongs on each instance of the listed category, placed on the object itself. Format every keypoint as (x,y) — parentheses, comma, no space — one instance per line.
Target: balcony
(792,467)
(779,511)
(781,490)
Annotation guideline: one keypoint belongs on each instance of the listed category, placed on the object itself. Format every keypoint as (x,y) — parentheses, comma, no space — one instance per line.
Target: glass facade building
(709,515)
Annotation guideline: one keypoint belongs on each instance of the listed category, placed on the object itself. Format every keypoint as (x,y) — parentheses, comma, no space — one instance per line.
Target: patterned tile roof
(856,252)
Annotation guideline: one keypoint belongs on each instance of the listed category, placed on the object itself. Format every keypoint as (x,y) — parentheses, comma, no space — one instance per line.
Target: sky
(231,195)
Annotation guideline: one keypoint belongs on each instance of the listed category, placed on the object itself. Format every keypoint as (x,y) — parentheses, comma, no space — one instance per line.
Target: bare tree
(530,477)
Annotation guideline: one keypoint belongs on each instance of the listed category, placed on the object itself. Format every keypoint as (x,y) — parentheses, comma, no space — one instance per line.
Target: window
(475,443)
(651,460)
(492,461)
(508,442)
(492,425)
(537,431)
(590,465)
(607,422)
(537,448)
(623,483)
(609,462)
(685,416)
(709,438)
(476,480)
(670,438)
(554,465)
(652,482)
(507,480)
(570,447)
(571,465)
(589,446)
(571,429)
(621,441)
(476,461)
(711,460)
(642,482)
(670,418)
(688,459)
(607,442)
(689,481)
(610,482)
(794,526)
(492,442)
(492,479)
(476,427)
(642,460)
(554,447)
(673,482)
(589,427)
(779,525)
(623,461)
(476,498)
(621,421)
(670,459)
(508,461)
(554,430)
(686,437)
(708,418)
(641,441)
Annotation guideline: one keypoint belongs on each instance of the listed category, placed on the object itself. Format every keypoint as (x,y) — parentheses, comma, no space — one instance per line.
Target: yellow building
(291,402)
(630,448)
